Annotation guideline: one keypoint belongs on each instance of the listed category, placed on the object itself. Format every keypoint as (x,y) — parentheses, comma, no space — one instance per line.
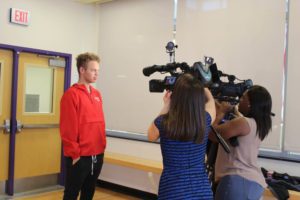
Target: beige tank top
(242,160)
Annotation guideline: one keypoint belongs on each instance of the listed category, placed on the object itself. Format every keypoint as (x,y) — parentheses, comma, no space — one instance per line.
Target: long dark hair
(260,109)
(185,120)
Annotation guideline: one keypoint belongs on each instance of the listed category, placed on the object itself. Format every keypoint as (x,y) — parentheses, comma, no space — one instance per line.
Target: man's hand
(75,161)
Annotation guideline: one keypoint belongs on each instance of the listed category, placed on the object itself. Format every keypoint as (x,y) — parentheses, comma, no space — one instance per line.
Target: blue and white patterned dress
(184,175)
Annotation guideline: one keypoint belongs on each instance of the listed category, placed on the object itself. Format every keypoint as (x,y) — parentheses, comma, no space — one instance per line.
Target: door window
(38,93)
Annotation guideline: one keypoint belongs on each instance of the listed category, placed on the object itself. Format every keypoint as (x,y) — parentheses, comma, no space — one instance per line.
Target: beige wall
(63,26)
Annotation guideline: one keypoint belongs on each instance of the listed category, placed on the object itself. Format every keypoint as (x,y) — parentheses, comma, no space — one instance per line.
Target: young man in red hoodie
(82,130)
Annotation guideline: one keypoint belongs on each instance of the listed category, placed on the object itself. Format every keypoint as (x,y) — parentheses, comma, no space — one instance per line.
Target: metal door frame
(9,188)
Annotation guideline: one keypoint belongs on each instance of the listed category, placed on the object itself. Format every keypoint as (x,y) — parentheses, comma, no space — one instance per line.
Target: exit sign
(19,16)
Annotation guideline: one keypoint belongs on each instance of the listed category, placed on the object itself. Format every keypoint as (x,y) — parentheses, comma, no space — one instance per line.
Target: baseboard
(126,190)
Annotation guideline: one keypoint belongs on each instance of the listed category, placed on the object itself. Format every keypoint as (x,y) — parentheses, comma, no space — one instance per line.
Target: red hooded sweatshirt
(82,125)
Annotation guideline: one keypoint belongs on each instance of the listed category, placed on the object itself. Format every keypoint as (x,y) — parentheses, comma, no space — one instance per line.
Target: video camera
(206,72)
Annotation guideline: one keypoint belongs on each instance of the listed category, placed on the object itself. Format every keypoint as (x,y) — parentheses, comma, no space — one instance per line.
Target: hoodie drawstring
(94,161)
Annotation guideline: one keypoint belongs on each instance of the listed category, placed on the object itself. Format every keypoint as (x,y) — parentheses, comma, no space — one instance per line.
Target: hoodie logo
(97,99)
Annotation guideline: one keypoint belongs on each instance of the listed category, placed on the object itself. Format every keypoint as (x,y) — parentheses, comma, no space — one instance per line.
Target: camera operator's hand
(153,132)
(167,99)
(224,107)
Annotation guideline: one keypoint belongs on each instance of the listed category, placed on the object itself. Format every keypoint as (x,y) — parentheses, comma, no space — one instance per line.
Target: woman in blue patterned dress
(182,127)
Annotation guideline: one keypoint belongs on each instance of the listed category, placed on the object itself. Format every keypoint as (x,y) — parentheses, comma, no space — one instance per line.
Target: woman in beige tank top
(238,175)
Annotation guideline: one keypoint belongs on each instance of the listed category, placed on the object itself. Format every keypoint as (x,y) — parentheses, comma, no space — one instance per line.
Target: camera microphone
(170,67)
(147,71)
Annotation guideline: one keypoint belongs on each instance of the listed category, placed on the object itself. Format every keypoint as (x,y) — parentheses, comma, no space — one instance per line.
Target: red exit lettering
(21,16)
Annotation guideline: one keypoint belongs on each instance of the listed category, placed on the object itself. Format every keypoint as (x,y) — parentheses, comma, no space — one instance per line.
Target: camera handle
(221,140)
(212,152)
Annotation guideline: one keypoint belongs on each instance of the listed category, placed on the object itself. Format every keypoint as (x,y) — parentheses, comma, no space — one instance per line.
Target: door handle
(34,126)
(38,126)
(19,126)
(6,126)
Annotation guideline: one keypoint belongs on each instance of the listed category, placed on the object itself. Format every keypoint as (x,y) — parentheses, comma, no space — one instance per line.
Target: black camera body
(224,91)
(157,85)
(229,91)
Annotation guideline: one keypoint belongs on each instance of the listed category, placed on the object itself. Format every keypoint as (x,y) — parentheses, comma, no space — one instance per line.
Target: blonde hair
(84,58)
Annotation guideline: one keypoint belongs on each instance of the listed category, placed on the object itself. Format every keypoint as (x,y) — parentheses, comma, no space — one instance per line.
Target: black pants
(82,177)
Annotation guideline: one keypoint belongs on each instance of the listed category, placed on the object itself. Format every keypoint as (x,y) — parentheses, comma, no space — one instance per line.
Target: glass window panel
(246,39)
(292,127)
(39,90)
